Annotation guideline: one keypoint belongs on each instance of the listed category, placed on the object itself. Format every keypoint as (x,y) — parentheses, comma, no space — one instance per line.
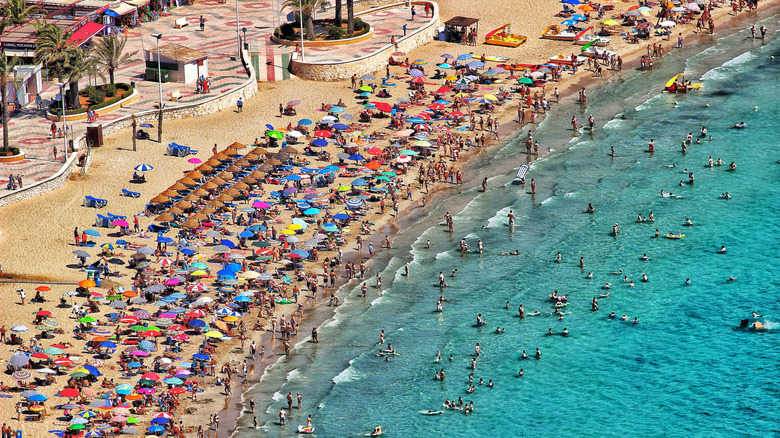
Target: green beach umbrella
(76,427)
(275,134)
(199,265)
(525,81)
(365,88)
(382,178)
(87,319)
(409,152)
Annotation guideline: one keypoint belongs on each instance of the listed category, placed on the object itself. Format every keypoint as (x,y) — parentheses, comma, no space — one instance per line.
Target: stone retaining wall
(328,71)
(218,103)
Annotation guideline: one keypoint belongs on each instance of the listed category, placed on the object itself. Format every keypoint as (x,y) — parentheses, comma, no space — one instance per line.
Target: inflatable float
(503,36)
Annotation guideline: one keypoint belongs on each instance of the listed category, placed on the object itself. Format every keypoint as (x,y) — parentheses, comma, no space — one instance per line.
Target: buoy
(675,102)
(755,108)
(708,105)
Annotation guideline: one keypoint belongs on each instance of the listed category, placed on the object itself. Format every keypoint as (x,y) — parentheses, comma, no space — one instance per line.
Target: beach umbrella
(305,122)
(92,233)
(275,134)
(143,167)
(69,392)
(19,360)
(323,133)
(129,431)
(667,23)
(19,328)
(565,23)
(610,23)
(76,426)
(572,2)
(81,253)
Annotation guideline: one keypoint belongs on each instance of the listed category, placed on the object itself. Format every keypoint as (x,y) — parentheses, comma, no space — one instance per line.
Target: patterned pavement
(29,130)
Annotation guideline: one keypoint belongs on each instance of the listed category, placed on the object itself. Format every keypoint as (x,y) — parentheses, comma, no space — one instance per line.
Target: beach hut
(179,63)
(456,27)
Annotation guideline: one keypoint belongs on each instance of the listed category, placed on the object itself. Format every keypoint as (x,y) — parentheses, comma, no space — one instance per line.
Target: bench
(180,22)
(175,95)
(89,201)
(130,194)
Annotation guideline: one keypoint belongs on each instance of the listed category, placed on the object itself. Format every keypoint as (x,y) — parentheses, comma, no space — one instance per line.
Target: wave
(729,68)
(500,217)
(379,300)
(548,200)
(613,124)
(294,375)
(648,103)
(349,374)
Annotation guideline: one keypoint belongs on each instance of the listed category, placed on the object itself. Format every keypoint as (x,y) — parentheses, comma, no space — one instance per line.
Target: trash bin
(442,34)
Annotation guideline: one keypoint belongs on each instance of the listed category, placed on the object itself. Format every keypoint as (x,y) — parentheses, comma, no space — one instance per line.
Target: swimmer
(710,162)
(612,151)
(644,278)
(612,315)
(689,137)
(719,162)
(590,208)
(722,250)
(565,332)
(520,373)
(604,295)
(589,276)
(507,305)
(631,283)
(606,286)
(640,219)
(515,252)
(673,165)
(703,131)
(739,125)
(454,271)
(626,279)
(733,166)
(731,278)
(521,311)
(538,353)
(644,257)
(651,217)
(550,332)
(625,317)
(620,272)
(636,320)
(615,229)
(558,257)
(725,196)
(582,262)
(656,233)
(756,315)
(594,305)
(687,281)
(524,355)
(698,141)
(688,222)
(490,383)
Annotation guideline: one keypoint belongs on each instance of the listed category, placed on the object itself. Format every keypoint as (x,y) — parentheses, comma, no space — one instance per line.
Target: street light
(159,86)
(300,15)
(62,105)
(246,43)
(238,32)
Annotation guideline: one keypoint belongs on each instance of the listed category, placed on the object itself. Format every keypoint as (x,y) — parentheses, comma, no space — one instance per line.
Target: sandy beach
(37,241)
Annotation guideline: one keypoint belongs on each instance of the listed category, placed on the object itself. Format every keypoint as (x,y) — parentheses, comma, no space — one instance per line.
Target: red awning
(85,32)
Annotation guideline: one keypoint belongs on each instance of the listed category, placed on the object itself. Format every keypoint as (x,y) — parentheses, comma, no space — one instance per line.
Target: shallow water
(684,369)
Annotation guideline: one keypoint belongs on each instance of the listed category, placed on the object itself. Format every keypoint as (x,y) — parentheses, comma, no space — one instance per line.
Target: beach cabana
(456,27)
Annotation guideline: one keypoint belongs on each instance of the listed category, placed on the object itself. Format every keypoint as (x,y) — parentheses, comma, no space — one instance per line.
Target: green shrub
(360,24)
(95,96)
(11,150)
(126,91)
(335,33)
(110,90)
(287,30)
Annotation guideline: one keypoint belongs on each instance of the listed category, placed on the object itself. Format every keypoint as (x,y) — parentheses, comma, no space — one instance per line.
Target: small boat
(566,60)
(674,236)
(503,36)
(677,84)
(555,33)
(496,58)
(305,429)
(595,52)
(589,39)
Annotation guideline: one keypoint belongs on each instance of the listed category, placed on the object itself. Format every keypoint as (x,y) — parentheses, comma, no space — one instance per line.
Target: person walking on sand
(240,105)
(202,22)
(413,13)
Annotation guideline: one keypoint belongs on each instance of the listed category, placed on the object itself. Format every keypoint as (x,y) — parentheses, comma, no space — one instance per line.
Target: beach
(53,215)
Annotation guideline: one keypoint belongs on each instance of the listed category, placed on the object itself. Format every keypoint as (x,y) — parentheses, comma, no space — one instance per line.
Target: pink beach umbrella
(120,223)
(194,161)
(260,204)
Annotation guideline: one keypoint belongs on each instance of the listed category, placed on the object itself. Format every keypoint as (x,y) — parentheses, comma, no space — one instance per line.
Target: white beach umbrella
(667,23)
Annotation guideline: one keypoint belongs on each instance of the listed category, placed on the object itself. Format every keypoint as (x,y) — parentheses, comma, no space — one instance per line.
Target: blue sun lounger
(115,217)
(103,221)
(131,194)
(89,201)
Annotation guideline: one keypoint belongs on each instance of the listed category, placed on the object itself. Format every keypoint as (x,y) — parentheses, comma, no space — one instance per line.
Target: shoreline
(318,314)
(509,130)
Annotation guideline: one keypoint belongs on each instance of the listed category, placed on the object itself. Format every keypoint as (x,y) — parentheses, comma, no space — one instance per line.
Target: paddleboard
(496,58)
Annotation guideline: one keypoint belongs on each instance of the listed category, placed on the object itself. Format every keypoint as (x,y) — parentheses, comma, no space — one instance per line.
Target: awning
(85,32)
(123,9)
(137,3)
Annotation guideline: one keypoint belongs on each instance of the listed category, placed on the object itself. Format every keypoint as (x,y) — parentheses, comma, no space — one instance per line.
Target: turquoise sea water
(685,369)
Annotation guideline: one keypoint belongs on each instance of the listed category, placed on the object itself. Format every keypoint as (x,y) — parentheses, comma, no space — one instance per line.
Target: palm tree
(337,18)
(53,49)
(16,12)
(78,66)
(108,54)
(350,17)
(308,7)
(7,76)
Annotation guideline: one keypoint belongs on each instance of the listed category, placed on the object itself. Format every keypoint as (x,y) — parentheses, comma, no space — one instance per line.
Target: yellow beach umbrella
(490,97)
(230,318)
(450,78)
(288,232)
(295,227)
(213,334)
(610,23)
(199,273)
(250,274)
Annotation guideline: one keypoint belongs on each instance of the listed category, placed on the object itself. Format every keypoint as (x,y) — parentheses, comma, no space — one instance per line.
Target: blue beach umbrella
(292,178)
(305,122)
(340,126)
(577,17)
(198,323)
(464,57)
(320,142)
(336,109)
(328,169)
(201,356)
(234,267)
(246,234)
(311,211)
(242,299)
(92,233)
(356,157)
(569,22)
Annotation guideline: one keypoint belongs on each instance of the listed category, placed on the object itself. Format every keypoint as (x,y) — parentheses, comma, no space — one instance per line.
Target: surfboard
(496,58)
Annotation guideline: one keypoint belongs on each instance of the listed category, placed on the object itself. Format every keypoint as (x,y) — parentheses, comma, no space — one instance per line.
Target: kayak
(674,236)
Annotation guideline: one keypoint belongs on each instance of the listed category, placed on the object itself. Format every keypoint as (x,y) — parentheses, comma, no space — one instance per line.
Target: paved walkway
(29,130)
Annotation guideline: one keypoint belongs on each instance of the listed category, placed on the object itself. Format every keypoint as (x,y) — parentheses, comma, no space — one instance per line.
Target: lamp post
(62,106)
(238,32)
(246,43)
(300,15)
(159,87)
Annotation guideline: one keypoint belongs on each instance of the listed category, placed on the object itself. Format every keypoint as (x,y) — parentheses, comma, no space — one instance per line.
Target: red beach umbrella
(70,392)
(322,133)
(383,106)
